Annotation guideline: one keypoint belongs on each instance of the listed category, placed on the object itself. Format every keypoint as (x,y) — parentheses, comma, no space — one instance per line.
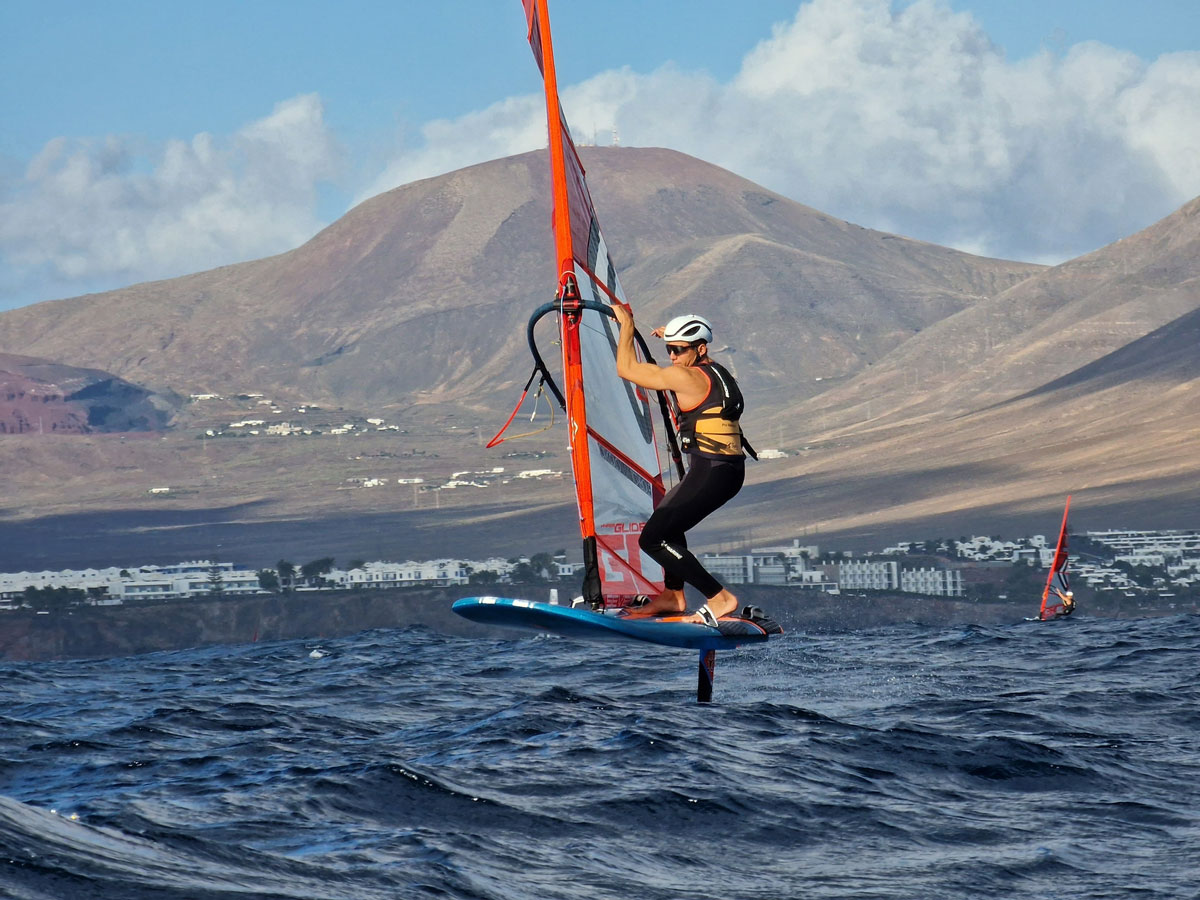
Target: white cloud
(909,121)
(503,129)
(114,211)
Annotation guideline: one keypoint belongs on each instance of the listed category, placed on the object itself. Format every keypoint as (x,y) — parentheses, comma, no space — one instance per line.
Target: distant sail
(1057,597)
(610,429)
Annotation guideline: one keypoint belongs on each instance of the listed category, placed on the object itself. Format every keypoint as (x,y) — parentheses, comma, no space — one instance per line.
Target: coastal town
(1157,565)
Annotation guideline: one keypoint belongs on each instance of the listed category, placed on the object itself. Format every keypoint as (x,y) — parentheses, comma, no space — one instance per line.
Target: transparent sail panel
(617,468)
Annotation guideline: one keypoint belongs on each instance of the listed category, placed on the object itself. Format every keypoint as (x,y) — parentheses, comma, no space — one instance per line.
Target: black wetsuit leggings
(708,485)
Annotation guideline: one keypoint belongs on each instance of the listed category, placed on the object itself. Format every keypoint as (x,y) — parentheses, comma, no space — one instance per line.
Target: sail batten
(610,432)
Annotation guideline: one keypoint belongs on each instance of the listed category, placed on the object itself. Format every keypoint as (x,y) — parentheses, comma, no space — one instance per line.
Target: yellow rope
(540,392)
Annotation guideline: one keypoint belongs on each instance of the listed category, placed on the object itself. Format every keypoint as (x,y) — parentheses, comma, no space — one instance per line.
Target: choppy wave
(1036,760)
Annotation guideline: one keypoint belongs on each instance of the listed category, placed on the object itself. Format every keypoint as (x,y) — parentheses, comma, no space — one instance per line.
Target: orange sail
(1057,598)
(610,428)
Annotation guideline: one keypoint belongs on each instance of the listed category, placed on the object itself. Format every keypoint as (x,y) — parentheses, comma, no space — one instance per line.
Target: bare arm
(689,385)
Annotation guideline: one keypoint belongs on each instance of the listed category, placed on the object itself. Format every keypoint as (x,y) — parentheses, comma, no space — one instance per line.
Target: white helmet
(692,329)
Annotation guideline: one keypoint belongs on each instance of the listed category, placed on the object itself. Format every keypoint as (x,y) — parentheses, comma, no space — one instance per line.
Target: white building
(564,569)
(886,575)
(815,580)
(864,575)
(767,565)
(13,584)
(1172,544)
(986,548)
(198,578)
(172,582)
(1142,558)
(937,582)
(380,574)
(729,569)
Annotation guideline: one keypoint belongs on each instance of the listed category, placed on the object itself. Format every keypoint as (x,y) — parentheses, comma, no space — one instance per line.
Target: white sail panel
(624,468)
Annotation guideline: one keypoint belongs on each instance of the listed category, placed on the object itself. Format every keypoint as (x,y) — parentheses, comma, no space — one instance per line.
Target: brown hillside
(1035,332)
(38,396)
(420,295)
(1084,379)
(924,391)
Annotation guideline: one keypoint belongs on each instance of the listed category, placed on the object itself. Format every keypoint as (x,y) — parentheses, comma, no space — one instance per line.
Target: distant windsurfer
(710,405)
(1058,600)
(1064,607)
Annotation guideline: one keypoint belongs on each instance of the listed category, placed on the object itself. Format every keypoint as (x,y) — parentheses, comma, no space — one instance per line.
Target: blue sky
(145,140)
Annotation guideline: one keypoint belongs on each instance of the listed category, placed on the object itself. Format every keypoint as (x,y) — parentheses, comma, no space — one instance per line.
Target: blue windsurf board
(579,622)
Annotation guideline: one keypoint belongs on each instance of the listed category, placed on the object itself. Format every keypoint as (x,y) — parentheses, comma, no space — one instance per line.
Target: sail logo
(624,565)
(622,527)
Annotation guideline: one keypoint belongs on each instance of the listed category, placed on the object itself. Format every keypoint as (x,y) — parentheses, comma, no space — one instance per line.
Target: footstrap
(707,615)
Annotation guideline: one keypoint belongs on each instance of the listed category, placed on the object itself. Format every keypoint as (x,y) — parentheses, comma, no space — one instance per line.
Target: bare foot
(721,604)
(666,603)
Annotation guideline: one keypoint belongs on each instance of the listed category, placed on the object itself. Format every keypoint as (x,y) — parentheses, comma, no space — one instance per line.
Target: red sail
(1057,599)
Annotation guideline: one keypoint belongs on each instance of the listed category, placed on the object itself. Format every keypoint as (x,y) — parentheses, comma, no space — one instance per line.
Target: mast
(614,457)
(568,289)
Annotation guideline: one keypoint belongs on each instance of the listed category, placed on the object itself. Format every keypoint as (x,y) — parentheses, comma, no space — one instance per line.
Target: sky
(142,139)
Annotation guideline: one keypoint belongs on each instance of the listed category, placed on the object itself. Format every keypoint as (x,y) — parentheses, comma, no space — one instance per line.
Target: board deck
(578,622)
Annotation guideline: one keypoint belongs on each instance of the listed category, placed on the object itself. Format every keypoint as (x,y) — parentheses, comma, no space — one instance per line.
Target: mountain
(916,388)
(1047,326)
(37,395)
(1083,379)
(419,296)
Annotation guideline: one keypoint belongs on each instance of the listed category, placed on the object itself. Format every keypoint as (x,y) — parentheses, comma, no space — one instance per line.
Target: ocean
(1032,760)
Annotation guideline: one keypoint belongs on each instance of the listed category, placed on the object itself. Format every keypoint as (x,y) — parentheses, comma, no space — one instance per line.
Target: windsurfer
(1065,607)
(1058,600)
(710,405)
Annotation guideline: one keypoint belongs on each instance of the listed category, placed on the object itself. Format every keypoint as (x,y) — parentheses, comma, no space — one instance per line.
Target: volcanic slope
(418,297)
(1084,379)
(40,396)
(932,389)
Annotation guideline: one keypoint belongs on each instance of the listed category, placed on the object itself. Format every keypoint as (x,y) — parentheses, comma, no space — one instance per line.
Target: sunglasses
(673,350)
